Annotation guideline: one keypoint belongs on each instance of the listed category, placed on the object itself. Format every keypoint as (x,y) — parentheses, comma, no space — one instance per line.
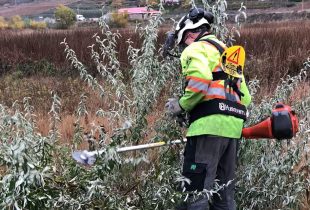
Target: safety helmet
(194,19)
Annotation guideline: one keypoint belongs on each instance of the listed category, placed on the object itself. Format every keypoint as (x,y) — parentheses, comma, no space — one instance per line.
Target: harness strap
(218,106)
(219,75)
(222,75)
(215,44)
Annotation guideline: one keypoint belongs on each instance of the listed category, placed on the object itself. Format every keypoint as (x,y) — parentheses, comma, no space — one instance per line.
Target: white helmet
(194,19)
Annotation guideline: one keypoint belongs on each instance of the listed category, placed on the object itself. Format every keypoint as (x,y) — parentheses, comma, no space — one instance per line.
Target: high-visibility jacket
(198,61)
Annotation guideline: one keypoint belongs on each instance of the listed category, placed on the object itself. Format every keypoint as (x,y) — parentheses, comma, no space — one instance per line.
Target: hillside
(257,10)
(31,8)
(36,7)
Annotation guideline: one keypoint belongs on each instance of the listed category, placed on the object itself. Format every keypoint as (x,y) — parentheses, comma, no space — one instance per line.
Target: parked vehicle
(80,18)
(172,2)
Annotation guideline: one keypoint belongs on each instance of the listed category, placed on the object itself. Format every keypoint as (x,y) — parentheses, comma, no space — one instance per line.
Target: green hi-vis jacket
(198,61)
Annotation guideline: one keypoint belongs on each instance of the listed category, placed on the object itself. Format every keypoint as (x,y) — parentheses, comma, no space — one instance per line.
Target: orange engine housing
(283,124)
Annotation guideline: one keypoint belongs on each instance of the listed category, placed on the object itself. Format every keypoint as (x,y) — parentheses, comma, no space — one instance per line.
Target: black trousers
(206,159)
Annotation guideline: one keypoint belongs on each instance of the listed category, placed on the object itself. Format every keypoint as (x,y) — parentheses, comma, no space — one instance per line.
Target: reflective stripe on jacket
(198,61)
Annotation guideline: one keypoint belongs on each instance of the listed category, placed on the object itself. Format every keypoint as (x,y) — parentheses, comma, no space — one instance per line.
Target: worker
(216,103)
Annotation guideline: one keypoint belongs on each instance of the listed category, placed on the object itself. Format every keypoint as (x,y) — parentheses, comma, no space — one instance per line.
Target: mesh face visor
(196,18)
(169,44)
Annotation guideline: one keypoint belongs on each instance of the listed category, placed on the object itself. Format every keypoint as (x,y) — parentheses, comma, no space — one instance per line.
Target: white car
(80,18)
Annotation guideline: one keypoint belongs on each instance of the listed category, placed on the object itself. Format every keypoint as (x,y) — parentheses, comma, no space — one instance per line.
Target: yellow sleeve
(196,70)
(246,99)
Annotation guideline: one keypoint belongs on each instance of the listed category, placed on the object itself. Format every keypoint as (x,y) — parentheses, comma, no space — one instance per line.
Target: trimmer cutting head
(84,157)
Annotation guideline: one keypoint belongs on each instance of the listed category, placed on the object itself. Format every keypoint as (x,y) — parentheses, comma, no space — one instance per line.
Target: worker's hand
(173,107)
(181,119)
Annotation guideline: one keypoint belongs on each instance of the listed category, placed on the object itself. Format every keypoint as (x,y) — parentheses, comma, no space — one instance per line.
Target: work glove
(173,107)
(181,119)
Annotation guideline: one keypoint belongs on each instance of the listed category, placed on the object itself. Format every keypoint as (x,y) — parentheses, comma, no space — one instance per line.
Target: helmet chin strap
(182,46)
(201,34)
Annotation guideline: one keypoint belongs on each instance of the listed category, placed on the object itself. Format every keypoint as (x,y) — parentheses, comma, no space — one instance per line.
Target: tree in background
(117,3)
(186,3)
(153,2)
(37,24)
(65,16)
(16,22)
(3,23)
(119,19)
(148,2)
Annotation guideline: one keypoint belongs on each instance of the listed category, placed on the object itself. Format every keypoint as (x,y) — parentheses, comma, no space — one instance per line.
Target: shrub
(119,19)
(39,173)
(65,16)
(16,22)
(274,174)
(27,22)
(117,3)
(37,24)
(150,2)
(39,68)
(3,23)
(186,3)
(143,3)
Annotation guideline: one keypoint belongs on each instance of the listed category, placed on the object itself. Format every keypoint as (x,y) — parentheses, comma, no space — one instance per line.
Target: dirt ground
(305,6)
(31,8)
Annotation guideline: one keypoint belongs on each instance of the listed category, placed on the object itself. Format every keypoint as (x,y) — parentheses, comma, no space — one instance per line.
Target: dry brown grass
(300,92)
(273,51)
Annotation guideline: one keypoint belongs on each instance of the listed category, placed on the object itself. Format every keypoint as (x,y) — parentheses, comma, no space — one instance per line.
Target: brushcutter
(89,157)
(283,124)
